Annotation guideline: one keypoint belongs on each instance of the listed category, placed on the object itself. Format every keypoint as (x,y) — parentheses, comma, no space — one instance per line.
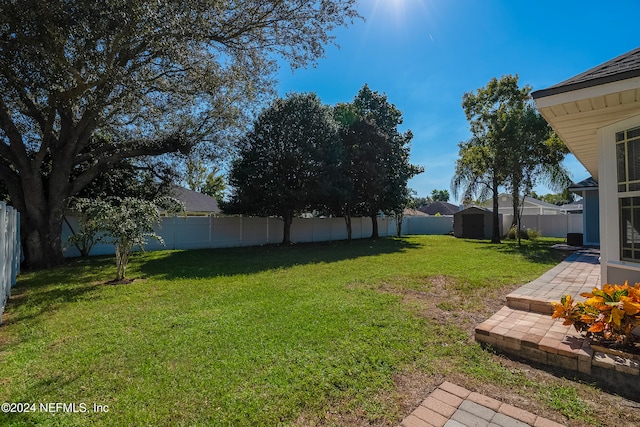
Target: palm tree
(535,158)
(478,176)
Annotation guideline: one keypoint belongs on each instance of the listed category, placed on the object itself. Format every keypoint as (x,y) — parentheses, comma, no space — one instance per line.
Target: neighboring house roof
(194,201)
(541,203)
(579,107)
(585,184)
(573,207)
(442,208)
(413,212)
(528,201)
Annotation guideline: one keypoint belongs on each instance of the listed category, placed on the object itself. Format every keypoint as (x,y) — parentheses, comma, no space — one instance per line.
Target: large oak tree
(155,76)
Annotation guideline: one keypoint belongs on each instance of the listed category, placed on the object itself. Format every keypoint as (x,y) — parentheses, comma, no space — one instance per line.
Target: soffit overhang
(577,115)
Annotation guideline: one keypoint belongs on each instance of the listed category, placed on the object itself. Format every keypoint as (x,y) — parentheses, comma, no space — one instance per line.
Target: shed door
(473,226)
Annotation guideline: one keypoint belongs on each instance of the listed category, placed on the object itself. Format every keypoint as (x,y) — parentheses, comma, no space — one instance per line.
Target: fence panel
(549,225)
(427,225)
(576,222)
(255,231)
(9,252)
(226,231)
(219,232)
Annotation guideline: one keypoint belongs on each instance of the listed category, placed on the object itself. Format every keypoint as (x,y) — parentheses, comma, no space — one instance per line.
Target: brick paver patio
(525,328)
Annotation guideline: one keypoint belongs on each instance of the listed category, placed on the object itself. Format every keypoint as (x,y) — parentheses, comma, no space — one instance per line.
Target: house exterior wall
(614,270)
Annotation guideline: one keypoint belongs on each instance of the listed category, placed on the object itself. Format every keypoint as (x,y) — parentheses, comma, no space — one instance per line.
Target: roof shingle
(438,207)
(194,201)
(623,67)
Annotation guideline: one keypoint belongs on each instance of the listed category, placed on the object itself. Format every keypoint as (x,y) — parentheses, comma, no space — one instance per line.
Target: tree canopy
(564,198)
(376,156)
(126,222)
(285,161)
(302,156)
(155,76)
(440,195)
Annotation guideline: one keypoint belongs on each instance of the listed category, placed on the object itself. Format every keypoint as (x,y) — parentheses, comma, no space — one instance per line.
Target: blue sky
(425,54)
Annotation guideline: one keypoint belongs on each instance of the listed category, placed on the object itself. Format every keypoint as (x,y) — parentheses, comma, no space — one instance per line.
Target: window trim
(623,185)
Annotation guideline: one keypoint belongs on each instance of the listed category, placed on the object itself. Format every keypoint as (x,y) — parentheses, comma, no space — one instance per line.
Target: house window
(628,163)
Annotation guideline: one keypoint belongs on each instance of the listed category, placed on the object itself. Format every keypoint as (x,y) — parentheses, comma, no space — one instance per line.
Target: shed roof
(474,209)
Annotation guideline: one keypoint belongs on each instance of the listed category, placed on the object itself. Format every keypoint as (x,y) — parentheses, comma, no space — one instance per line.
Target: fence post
(4,256)
(210,230)
(10,252)
(17,252)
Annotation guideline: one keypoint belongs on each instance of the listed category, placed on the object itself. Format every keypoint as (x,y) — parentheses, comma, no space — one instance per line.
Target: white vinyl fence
(548,225)
(427,225)
(9,251)
(197,232)
(223,232)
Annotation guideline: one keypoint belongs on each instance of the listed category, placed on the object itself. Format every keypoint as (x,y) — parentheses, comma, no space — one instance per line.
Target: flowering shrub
(126,223)
(609,314)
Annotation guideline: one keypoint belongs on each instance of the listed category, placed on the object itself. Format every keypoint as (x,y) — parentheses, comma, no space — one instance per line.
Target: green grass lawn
(301,335)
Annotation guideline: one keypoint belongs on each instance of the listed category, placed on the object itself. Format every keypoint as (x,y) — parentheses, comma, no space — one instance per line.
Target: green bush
(525,233)
(533,234)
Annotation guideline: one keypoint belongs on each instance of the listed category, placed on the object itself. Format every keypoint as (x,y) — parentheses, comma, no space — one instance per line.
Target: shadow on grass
(537,251)
(30,305)
(42,291)
(248,260)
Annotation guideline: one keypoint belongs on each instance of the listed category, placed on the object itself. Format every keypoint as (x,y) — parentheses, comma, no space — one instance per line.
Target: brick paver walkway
(579,272)
(453,406)
(526,328)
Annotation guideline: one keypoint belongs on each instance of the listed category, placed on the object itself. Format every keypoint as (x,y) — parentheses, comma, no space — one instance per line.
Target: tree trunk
(347,220)
(41,239)
(288,219)
(519,217)
(399,221)
(515,199)
(495,235)
(374,224)
(40,222)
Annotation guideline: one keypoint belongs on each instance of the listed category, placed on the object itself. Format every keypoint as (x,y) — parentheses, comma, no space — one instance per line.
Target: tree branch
(15,152)
(174,143)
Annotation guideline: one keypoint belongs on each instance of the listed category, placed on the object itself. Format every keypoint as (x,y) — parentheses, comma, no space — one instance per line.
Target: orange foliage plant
(609,314)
